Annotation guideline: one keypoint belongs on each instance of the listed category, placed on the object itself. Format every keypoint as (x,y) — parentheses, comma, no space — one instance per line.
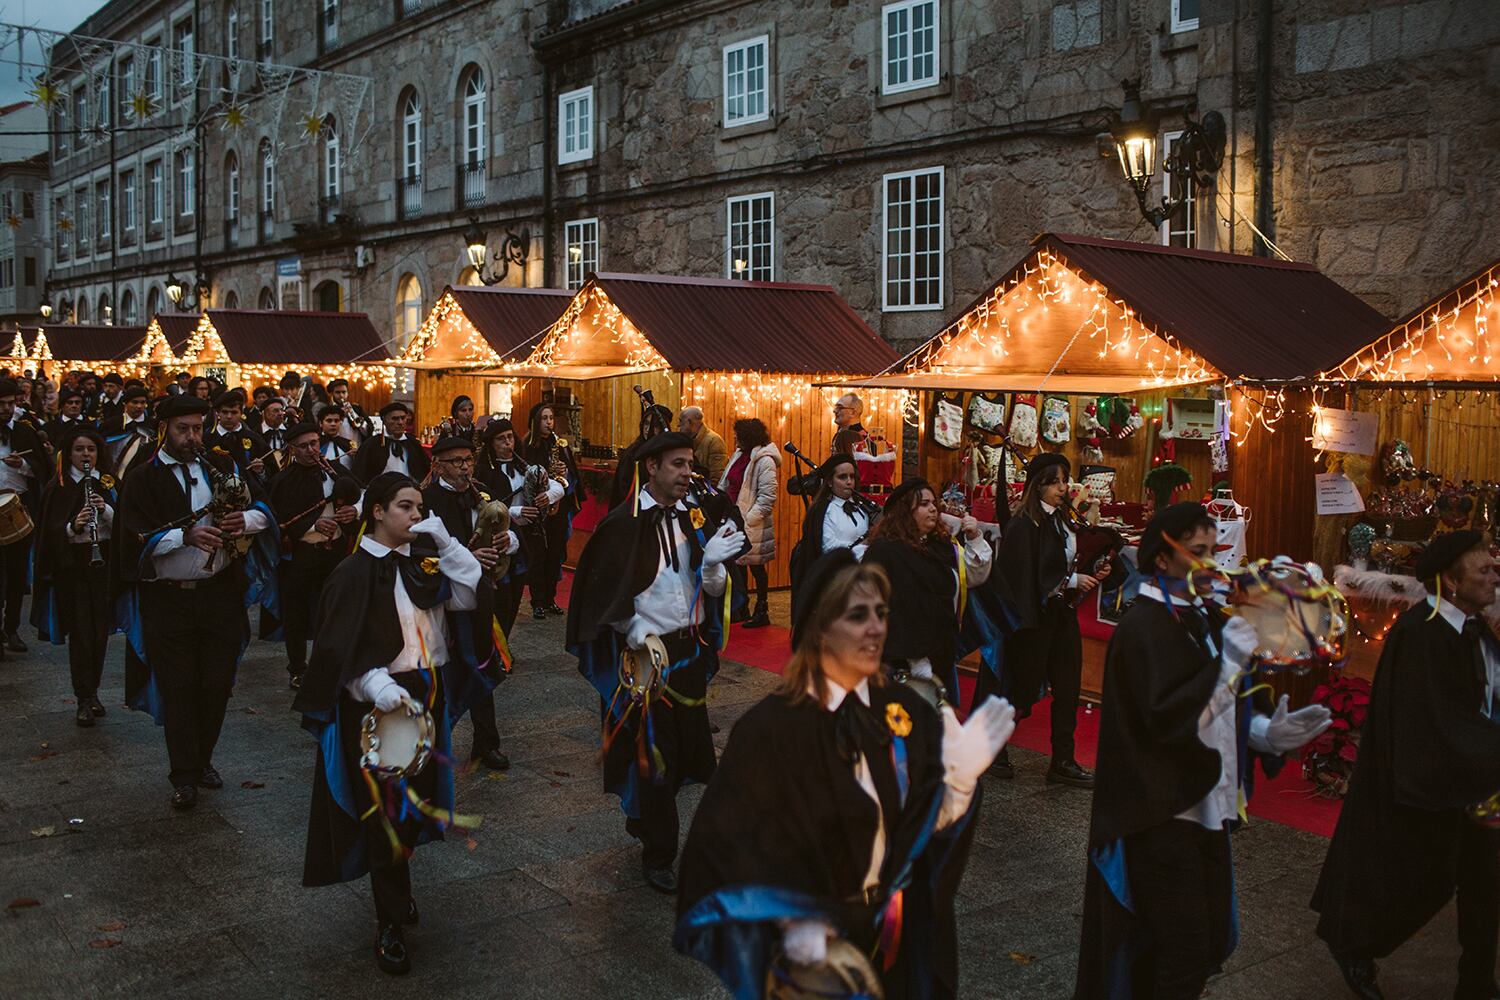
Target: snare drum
(15,519)
(396,744)
(845,972)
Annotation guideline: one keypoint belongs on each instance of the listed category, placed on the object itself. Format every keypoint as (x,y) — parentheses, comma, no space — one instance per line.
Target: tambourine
(1300,619)
(929,688)
(846,973)
(641,670)
(398,743)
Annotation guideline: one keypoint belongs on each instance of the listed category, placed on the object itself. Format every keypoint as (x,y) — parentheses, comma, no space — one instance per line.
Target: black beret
(335,383)
(134,392)
(498,426)
(1044,462)
(1445,550)
(818,577)
(832,462)
(231,397)
(67,394)
(113,378)
(394,406)
(1170,522)
(661,444)
(452,442)
(298,430)
(184,405)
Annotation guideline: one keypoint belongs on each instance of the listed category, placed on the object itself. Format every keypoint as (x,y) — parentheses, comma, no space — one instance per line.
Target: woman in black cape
(837,517)
(843,807)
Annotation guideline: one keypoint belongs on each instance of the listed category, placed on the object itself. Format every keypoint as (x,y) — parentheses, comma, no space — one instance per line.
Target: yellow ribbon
(963,580)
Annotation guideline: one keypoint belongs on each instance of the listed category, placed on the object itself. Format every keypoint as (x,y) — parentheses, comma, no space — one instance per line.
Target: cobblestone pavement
(547,901)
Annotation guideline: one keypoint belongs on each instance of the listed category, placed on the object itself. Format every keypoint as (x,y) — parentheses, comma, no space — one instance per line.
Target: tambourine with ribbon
(1301,620)
(398,743)
(845,973)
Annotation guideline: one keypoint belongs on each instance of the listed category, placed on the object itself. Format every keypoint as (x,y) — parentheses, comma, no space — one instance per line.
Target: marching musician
(383,642)
(1038,553)
(23,468)
(70,599)
(930,574)
(272,430)
(655,568)
(837,518)
(232,437)
(357,428)
(202,387)
(69,417)
(130,437)
(460,420)
(503,474)
(454,497)
(1429,750)
(1184,719)
(258,398)
(393,450)
(336,449)
(189,594)
(110,404)
(315,537)
(655,419)
(543,448)
(830,791)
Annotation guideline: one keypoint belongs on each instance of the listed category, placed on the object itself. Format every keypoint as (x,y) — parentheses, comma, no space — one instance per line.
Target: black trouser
(83,604)
(1054,650)
(1182,884)
(546,570)
(1478,908)
(658,828)
(482,708)
(390,872)
(193,639)
(15,564)
(390,883)
(302,578)
(762,583)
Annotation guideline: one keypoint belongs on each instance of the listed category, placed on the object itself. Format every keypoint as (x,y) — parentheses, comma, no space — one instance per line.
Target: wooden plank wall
(611,411)
(1272,473)
(435,392)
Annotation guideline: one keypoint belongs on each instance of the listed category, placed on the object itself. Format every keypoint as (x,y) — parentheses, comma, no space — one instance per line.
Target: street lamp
(174,290)
(515,249)
(1196,155)
(177,292)
(45,310)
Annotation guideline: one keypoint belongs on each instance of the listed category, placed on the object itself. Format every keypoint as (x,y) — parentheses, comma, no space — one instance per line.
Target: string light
(754,393)
(573,330)
(474,350)
(206,347)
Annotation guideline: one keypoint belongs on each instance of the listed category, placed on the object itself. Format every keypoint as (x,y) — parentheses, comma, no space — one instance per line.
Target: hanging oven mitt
(1023,420)
(1055,428)
(987,412)
(947,423)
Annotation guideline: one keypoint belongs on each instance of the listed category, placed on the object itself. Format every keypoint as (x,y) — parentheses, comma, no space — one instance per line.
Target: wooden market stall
(1127,358)
(64,347)
(735,348)
(167,337)
(469,329)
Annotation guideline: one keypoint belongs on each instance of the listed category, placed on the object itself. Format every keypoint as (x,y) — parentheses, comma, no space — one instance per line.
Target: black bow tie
(857,731)
(666,535)
(850,508)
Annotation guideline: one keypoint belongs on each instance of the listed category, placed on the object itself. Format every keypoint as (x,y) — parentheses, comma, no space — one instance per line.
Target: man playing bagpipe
(653,582)
(503,473)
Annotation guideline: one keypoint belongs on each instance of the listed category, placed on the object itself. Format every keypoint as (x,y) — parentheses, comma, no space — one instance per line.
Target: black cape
(1426,752)
(457,511)
(922,619)
(243,446)
(1033,562)
(784,831)
(370,459)
(809,547)
(55,556)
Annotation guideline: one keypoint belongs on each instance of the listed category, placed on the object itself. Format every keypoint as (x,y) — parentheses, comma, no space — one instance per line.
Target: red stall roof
(507,318)
(274,337)
(719,324)
(84,342)
(177,328)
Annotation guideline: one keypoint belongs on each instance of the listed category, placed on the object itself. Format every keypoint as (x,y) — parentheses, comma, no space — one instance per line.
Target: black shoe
(538,613)
(1069,772)
(663,880)
(84,718)
(14,644)
(390,951)
(210,778)
(1359,974)
(553,609)
(96,708)
(1002,767)
(294,681)
(494,760)
(184,797)
(412,916)
(758,620)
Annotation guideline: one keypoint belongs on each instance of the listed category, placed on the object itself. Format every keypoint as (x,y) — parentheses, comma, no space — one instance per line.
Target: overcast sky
(55,15)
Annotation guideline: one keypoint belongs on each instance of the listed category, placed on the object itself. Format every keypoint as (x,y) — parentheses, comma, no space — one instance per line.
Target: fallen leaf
(555,784)
(112,926)
(46,745)
(252,784)
(471,844)
(43,756)
(1021,958)
(562,774)
(105,943)
(250,711)
(43,831)
(24,903)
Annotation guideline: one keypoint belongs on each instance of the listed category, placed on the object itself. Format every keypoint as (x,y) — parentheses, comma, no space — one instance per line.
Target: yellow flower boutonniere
(245,444)
(353,447)
(897,719)
(695,515)
(430,565)
(108,482)
(483,495)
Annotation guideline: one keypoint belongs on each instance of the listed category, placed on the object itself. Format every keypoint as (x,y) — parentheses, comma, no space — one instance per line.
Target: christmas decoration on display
(1055,420)
(1023,420)
(1093,434)
(1328,761)
(1396,462)
(947,422)
(987,412)
(1361,536)
(1165,480)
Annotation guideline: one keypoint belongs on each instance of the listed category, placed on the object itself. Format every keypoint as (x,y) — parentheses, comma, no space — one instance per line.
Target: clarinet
(96,557)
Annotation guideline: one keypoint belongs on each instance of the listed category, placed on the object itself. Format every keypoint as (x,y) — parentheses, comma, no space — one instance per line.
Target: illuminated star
(312,125)
(13,221)
(44,93)
(142,106)
(234,117)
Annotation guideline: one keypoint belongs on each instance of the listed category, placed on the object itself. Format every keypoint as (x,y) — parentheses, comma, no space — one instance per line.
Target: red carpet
(1288,799)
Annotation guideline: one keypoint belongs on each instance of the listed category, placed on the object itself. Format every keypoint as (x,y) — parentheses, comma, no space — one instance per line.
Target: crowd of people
(833,833)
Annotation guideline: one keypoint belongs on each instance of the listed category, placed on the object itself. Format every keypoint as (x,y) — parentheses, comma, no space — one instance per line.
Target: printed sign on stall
(1347,431)
(1337,494)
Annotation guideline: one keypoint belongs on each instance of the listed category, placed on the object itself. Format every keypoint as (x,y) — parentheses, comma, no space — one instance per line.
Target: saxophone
(230,494)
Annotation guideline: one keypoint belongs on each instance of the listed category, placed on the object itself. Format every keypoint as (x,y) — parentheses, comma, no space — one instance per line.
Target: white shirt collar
(231,430)
(1152,591)
(1048,507)
(648,501)
(1450,612)
(380,551)
(837,694)
(166,457)
(78,476)
(444,484)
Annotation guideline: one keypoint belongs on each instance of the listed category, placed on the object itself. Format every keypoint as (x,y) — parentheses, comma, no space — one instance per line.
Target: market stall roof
(274,337)
(1109,316)
(177,328)
(98,343)
(475,326)
(1446,341)
(640,322)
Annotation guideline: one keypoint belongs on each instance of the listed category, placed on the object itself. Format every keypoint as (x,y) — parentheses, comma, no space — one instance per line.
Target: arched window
(267,299)
(267,190)
(331,168)
(328,296)
(128,314)
(153,302)
(469,276)
(472,148)
(231,300)
(82,315)
(408,308)
(410,156)
(105,316)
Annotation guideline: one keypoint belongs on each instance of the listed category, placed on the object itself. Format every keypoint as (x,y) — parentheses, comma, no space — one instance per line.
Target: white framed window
(153,71)
(474,114)
(267,180)
(81,108)
(908,45)
(331,162)
(232,189)
(105,205)
(752,237)
(746,87)
(581,239)
(127,201)
(1180,229)
(127,87)
(330,23)
(912,262)
(102,102)
(408,307)
(155,196)
(232,33)
(182,44)
(267,29)
(186,183)
(575,124)
(1185,15)
(411,139)
(82,218)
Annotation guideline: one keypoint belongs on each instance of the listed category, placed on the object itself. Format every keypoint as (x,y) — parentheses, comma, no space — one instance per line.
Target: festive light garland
(477,351)
(566,336)
(752,393)
(205,347)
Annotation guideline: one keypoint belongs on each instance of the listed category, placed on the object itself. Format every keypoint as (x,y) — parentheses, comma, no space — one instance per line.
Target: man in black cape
(356,427)
(1430,748)
(69,417)
(233,437)
(110,404)
(393,451)
(453,496)
(186,594)
(316,514)
(130,436)
(655,567)
(1181,728)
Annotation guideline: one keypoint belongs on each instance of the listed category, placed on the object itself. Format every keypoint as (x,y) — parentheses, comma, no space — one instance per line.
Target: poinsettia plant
(1328,761)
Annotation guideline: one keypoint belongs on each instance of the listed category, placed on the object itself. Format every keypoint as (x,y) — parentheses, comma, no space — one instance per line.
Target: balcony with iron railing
(472,186)
(409,197)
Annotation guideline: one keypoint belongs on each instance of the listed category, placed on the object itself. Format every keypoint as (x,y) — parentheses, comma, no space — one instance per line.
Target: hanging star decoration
(142,105)
(65,223)
(312,125)
(234,117)
(13,221)
(44,93)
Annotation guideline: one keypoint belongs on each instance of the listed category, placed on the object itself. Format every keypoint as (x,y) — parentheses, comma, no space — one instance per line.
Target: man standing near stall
(393,451)
(1411,835)
(710,453)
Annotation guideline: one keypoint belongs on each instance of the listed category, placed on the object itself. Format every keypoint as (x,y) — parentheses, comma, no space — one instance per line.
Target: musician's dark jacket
(58,428)
(243,446)
(923,588)
(539,452)
(23,436)
(1426,752)
(295,494)
(55,554)
(1034,561)
(370,459)
(784,831)
(472,630)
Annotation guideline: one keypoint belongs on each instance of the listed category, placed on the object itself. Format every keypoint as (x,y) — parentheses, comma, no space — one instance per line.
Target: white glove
(435,529)
(636,637)
(806,941)
(1240,641)
(512,543)
(969,748)
(1286,731)
(390,696)
(516,517)
(724,546)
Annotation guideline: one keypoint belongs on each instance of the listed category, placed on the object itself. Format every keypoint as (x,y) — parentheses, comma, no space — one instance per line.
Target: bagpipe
(805,485)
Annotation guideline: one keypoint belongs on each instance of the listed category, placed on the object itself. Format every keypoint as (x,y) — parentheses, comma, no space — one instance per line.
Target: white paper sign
(1346,431)
(1337,494)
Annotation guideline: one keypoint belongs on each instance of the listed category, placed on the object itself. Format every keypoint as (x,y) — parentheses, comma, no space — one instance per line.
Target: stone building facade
(904,152)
